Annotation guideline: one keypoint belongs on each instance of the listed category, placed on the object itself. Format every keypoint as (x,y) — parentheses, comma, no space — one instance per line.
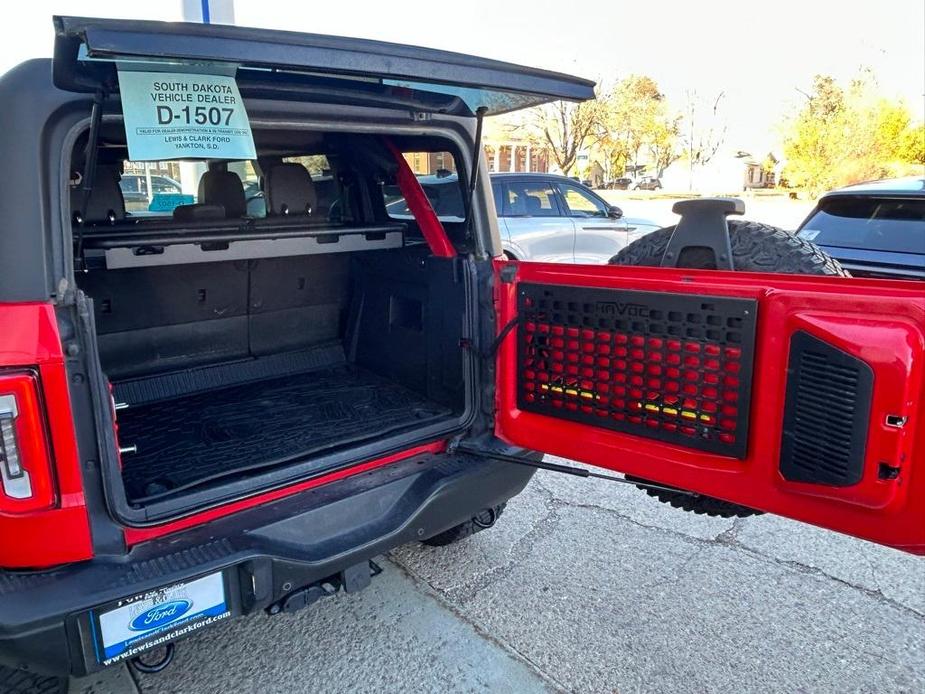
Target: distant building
(426,163)
(508,146)
(728,171)
(514,155)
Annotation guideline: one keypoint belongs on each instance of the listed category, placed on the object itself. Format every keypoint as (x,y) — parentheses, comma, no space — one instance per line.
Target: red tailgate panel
(618,411)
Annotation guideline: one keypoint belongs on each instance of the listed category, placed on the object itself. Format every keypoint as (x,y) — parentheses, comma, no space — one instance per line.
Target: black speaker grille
(827,413)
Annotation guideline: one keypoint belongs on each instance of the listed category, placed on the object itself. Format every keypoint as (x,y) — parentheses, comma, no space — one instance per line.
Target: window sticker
(178,115)
(809,234)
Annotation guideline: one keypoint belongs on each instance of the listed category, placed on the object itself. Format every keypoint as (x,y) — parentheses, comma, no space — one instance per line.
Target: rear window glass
(868,223)
(156,188)
(436,172)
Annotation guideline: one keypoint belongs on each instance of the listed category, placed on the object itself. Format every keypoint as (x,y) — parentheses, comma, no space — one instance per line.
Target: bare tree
(566,128)
(705,132)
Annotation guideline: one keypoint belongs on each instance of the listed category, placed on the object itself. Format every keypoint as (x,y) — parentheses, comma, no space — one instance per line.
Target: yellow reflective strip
(688,414)
(669,410)
(652,408)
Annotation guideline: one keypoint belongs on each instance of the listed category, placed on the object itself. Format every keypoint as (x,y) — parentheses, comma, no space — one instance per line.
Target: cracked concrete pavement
(593,587)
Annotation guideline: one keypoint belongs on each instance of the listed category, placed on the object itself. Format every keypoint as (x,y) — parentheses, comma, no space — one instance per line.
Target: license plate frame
(124,628)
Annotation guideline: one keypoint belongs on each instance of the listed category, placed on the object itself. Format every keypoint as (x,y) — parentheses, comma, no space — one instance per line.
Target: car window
(167,182)
(530,199)
(581,203)
(129,184)
(868,223)
(436,172)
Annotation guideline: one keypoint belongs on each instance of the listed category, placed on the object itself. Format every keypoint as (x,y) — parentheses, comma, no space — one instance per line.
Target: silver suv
(556,219)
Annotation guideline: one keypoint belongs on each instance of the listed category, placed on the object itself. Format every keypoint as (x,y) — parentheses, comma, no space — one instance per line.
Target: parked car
(541,216)
(874,229)
(648,183)
(135,189)
(556,219)
(206,415)
(620,184)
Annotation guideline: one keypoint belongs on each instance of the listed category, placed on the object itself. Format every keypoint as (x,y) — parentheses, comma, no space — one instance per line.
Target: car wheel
(478,523)
(755,248)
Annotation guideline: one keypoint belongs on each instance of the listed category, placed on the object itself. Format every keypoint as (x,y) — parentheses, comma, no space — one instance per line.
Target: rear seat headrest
(289,190)
(220,187)
(106,203)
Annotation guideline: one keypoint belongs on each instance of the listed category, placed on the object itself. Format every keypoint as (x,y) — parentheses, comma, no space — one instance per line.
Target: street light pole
(205,12)
(208,11)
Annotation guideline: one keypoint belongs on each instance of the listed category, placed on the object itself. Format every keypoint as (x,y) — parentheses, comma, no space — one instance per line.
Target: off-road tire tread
(756,247)
(460,532)
(699,504)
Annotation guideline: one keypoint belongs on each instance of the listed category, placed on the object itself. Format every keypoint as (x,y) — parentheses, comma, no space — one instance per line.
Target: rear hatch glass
(876,224)
(86,49)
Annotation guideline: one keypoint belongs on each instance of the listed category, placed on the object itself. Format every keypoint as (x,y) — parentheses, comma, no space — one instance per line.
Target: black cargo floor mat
(189,441)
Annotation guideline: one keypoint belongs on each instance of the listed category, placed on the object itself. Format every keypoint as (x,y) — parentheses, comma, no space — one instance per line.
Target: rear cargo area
(222,370)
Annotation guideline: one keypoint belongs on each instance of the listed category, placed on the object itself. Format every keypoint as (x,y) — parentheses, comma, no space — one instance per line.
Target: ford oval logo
(159,615)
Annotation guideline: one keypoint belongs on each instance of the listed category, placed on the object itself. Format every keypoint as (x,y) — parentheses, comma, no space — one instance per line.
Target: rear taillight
(26,483)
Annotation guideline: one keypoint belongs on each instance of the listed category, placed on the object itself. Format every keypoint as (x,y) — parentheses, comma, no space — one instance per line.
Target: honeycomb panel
(671,367)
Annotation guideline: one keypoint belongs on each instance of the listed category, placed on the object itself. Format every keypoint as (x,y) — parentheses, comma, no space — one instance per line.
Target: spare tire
(756,247)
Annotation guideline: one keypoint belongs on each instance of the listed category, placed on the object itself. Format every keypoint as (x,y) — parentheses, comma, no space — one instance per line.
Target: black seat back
(106,202)
(218,186)
(289,190)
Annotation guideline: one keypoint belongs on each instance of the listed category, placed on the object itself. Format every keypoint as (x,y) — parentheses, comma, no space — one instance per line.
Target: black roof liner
(497,85)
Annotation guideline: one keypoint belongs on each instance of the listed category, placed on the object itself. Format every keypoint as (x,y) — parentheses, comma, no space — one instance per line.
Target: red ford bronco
(228,399)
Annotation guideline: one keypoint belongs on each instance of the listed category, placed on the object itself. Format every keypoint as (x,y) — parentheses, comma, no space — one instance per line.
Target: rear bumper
(265,552)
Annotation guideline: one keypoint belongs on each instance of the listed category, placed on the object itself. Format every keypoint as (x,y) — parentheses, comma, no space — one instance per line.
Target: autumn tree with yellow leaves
(846,134)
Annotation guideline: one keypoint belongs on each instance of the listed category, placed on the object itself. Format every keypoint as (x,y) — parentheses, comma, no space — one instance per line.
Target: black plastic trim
(826,414)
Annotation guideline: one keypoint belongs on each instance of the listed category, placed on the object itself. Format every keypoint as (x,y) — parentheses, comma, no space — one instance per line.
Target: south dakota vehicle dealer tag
(158,616)
(179,115)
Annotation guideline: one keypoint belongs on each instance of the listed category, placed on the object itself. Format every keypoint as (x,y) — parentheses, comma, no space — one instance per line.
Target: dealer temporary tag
(176,115)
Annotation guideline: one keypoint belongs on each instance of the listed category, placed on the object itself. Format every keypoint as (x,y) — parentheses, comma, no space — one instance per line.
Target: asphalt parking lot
(593,587)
